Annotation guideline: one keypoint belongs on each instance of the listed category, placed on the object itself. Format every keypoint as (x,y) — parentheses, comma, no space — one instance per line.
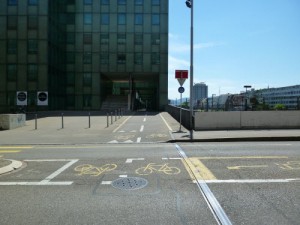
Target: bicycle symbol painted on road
(87,169)
(152,167)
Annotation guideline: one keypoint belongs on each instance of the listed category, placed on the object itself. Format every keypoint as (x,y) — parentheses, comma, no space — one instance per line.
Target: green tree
(279,107)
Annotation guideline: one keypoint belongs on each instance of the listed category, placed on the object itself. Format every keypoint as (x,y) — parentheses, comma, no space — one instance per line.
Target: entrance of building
(129,91)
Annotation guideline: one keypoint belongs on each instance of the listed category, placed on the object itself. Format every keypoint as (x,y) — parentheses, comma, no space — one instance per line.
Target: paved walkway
(51,130)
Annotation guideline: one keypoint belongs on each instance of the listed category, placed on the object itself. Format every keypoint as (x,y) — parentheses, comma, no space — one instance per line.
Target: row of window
(121,38)
(121,58)
(88,2)
(120,2)
(15,2)
(32,69)
(12,46)
(32,21)
(32,44)
(121,19)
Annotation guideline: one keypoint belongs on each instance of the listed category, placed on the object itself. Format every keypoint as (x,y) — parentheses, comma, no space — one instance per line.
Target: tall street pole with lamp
(189,4)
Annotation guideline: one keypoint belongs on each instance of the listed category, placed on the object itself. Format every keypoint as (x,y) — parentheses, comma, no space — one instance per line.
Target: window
(104,19)
(155,39)
(70,18)
(11,72)
(12,2)
(104,2)
(138,19)
(121,39)
(87,38)
(70,38)
(138,58)
(104,58)
(70,80)
(104,38)
(87,18)
(70,2)
(70,100)
(32,2)
(32,46)
(138,39)
(121,18)
(88,2)
(121,2)
(87,79)
(32,72)
(70,57)
(155,2)
(87,100)
(155,58)
(12,46)
(32,22)
(12,22)
(155,19)
(121,58)
(87,58)
(138,2)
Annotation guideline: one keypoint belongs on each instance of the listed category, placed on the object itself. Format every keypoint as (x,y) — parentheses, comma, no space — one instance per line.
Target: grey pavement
(76,129)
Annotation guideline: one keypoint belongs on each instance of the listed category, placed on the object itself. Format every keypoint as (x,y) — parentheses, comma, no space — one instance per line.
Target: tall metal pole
(191,70)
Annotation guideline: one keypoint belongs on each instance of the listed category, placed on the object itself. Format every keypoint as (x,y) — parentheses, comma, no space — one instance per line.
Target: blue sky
(236,43)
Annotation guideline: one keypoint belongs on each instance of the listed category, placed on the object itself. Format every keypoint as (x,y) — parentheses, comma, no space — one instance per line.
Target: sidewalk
(76,130)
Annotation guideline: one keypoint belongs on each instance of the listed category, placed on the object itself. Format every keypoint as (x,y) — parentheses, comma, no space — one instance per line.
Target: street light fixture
(189,4)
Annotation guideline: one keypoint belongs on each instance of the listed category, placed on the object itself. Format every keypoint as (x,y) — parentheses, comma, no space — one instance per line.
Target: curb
(13,166)
(239,139)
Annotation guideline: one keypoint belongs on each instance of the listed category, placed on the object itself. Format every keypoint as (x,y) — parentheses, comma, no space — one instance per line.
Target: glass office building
(83,52)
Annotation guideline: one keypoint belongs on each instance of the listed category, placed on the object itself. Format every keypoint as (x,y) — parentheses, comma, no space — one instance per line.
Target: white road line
(209,197)
(63,183)
(106,182)
(144,119)
(138,140)
(59,171)
(170,129)
(142,128)
(123,176)
(131,160)
(249,181)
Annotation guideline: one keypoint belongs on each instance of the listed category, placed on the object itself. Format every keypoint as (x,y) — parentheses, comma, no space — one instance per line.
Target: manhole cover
(130,183)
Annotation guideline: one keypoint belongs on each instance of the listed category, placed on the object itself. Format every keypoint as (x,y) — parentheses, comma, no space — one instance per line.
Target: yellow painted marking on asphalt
(197,170)
(291,165)
(246,157)
(241,167)
(10,151)
(15,147)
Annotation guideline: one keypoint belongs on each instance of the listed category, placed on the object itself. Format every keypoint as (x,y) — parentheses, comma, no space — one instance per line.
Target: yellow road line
(197,170)
(246,157)
(9,151)
(15,147)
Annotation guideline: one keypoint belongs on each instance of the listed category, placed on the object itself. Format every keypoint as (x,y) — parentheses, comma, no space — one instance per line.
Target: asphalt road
(253,183)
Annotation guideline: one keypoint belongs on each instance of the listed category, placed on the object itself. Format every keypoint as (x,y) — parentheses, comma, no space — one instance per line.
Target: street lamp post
(189,4)
(246,86)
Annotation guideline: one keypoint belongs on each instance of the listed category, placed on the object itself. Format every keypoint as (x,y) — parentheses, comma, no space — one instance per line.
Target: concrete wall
(247,120)
(12,121)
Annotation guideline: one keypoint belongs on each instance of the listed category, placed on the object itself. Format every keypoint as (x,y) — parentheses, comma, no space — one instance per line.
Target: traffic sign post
(42,98)
(22,98)
(181,76)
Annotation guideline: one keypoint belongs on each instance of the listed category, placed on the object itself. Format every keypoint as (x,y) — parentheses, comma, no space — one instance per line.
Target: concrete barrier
(247,120)
(12,121)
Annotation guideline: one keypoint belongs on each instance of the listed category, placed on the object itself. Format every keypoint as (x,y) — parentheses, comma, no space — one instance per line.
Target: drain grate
(129,183)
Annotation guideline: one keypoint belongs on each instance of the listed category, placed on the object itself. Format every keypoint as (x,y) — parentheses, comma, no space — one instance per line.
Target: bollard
(111,114)
(115,115)
(36,121)
(62,121)
(89,120)
(107,119)
(119,111)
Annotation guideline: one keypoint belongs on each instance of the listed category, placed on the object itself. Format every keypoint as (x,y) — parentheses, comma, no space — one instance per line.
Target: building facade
(200,92)
(83,51)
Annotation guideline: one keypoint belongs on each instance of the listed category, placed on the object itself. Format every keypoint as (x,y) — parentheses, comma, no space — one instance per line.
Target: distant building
(84,53)
(200,92)
(288,96)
